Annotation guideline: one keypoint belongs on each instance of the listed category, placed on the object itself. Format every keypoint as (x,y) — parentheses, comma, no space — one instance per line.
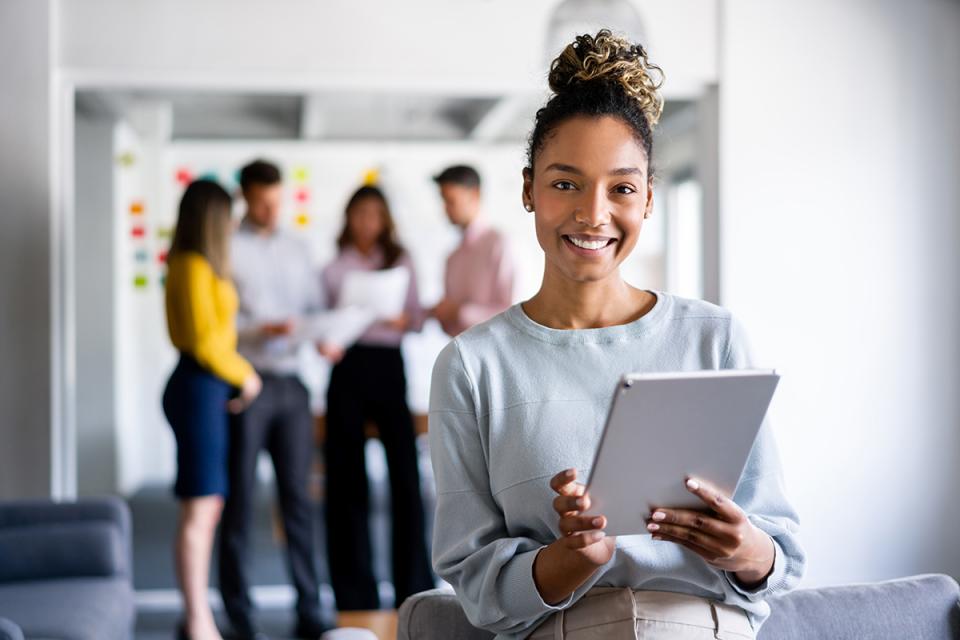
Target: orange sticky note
(136,207)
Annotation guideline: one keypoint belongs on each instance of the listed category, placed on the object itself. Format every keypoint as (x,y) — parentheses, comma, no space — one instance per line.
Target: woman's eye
(624,189)
(564,185)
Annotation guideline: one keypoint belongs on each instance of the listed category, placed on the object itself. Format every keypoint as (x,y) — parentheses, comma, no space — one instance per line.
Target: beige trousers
(620,613)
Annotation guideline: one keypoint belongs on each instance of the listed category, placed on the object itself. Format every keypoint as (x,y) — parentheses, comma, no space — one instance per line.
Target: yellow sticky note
(300,174)
(371,177)
(302,220)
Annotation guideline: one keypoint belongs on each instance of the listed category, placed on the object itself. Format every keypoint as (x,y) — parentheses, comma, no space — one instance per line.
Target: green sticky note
(140,281)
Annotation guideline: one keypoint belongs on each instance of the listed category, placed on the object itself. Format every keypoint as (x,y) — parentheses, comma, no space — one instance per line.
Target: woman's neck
(565,304)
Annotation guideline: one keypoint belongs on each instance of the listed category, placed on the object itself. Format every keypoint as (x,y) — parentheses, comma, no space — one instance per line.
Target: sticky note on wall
(138,231)
(300,174)
(140,281)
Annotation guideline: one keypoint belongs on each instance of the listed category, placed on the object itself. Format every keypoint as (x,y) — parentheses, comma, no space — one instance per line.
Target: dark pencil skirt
(195,403)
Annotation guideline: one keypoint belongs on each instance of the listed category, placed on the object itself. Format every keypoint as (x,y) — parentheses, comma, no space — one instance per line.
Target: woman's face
(366,221)
(590,193)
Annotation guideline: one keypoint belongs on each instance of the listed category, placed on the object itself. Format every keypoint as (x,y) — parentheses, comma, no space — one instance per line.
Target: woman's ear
(527,193)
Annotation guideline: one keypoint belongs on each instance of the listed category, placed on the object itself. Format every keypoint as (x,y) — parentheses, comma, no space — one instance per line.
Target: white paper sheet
(341,326)
(381,292)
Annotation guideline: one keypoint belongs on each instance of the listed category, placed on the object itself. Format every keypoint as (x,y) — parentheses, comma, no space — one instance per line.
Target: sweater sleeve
(762,495)
(212,347)
(490,570)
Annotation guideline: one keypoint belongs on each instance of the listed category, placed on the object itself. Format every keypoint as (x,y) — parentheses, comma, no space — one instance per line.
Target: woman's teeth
(592,245)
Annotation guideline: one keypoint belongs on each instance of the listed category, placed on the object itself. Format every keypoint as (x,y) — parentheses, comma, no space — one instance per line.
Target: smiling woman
(517,404)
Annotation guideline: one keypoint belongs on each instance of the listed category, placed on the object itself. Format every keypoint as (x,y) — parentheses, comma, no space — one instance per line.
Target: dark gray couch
(65,570)
(917,608)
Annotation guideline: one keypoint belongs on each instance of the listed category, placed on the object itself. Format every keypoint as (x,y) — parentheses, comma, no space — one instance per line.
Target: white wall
(93,267)
(839,201)
(26,452)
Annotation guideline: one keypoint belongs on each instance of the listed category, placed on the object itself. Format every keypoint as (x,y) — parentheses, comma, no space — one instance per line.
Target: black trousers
(369,384)
(280,421)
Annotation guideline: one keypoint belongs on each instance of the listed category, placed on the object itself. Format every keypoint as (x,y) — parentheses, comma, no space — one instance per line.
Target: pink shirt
(350,260)
(479,276)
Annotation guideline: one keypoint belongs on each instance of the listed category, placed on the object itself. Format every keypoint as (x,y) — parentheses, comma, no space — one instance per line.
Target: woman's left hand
(724,536)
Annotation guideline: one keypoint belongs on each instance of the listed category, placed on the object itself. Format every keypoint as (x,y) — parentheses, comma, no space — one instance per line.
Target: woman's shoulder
(489,339)
(707,323)
(189,261)
(488,335)
(696,311)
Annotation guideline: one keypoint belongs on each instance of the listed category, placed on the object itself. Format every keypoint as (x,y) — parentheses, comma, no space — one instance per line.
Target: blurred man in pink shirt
(478,283)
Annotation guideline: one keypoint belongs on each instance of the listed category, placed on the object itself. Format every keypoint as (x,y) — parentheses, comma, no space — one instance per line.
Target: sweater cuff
(773,580)
(520,591)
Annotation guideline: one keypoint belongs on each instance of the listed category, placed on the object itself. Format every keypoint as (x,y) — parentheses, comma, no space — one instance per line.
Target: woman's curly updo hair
(601,75)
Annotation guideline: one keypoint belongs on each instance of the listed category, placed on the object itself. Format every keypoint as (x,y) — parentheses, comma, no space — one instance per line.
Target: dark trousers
(369,384)
(280,421)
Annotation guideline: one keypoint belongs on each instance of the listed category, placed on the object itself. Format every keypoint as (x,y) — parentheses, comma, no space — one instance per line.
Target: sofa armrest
(436,615)
(9,630)
(43,539)
(926,606)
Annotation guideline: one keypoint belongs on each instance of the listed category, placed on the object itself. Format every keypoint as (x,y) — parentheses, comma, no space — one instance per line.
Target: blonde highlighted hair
(203,225)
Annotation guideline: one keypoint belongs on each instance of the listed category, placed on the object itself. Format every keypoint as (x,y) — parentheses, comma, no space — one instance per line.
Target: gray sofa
(65,570)
(918,608)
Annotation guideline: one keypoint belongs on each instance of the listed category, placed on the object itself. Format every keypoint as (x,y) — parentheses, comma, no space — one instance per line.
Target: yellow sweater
(201,309)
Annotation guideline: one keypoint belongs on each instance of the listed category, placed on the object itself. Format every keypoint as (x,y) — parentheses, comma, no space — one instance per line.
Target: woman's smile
(588,245)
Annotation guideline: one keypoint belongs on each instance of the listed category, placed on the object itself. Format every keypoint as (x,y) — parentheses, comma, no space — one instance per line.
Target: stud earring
(528,206)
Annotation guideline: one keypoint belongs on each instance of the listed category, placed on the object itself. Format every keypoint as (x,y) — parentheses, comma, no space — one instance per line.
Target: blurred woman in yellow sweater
(201,304)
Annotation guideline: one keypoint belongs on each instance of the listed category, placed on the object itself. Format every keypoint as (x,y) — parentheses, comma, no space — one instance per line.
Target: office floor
(154,520)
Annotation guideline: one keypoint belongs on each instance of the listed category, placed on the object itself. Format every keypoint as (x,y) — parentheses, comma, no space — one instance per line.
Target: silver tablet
(664,427)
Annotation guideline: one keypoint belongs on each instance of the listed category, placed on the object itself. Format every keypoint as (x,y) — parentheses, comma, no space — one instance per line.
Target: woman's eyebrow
(568,168)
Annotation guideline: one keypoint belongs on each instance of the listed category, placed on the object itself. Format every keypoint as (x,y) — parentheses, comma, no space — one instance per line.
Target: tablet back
(664,427)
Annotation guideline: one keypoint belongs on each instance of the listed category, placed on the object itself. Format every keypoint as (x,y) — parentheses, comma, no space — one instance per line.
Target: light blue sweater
(513,402)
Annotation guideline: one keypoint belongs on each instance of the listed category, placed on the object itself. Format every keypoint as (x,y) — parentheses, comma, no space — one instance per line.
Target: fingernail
(596,522)
(659,515)
(653,527)
(579,503)
(599,535)
(568,472)
(658,537)
(692,484)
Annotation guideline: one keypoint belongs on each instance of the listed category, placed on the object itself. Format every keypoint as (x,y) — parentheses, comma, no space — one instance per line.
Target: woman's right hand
(569,561)
(249,391)
(580,533)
